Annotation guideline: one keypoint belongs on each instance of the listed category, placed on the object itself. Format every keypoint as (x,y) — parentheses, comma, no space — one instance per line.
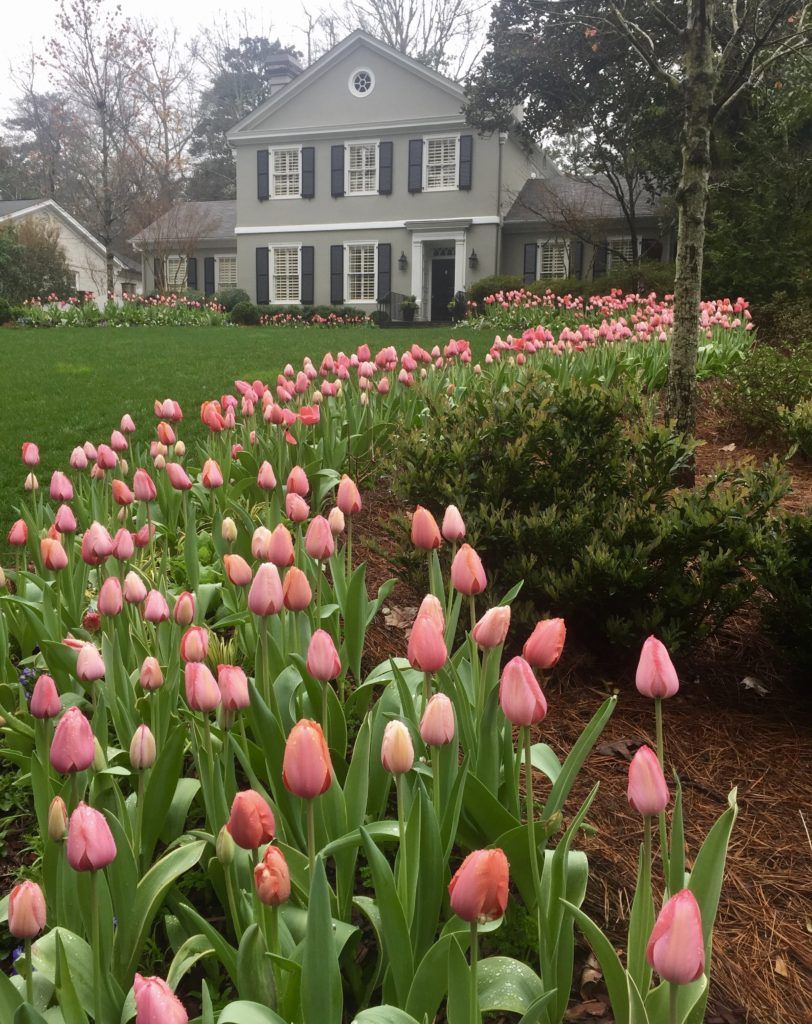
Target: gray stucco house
(359,182)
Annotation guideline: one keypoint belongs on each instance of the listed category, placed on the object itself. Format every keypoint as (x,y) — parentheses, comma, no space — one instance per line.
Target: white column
(417,277)
(459,264)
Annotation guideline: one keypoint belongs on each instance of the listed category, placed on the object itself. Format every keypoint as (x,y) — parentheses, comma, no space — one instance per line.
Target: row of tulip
(212,726)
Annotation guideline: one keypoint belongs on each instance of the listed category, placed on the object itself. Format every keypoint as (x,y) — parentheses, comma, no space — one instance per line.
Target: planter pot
(408,314)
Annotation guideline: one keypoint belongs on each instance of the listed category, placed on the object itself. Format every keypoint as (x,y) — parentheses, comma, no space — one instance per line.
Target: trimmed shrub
(761,392)
(569,487)
(379,317)
(230,297)
(785,573)
(489,285)
(649,276)
(246,314)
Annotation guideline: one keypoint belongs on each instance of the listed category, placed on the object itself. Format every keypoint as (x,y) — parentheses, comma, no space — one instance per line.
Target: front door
(442,287)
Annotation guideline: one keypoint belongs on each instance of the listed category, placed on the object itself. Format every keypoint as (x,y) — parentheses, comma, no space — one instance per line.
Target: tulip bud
(492,628)
(185,608)
(72,748)
(251,822)
(54,556)
(335,518)
(233,687)
(156,608)
(97,544)
(18,534)
(280,547)
(61,488)
(180,449)
(156,1003)
(31,482)
(26,910)
(211,476)
(228,530)
(202,691)
(656,675)
(142,749)
(676,948)
(30,453)
(453,529)
(306,767)
(479,889)
(57,820)
(467,573)
(272,878)
(265,477)
(151,677)
(397,751)
(319,543)
(648,791)
(265,596)
(89,664)
(426,649)
(122,495)
(297,482)
(237,570)
(194,644)
(225,847)
(99,756)
(425,531)
(45,702)
(260,544)
(178,477)
(111,597)
(78,459)
(348,498)
(296,591)
(296,508)
(65,519)
(520,695)
(544,646)
(437,723)
(144,487)
(323,662)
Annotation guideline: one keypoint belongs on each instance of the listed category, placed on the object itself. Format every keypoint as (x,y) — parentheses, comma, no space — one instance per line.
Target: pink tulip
(520,695)
(233,685)
(61,488)
(397,751)
(453,528)
(18,534)
(178,477)
(319,543)
(306,767)
(106,458)
(65,520)
(336,520)
(297,482)
(676,948)
(545,644)
(142,749)
(151,677)
(185,607)
(479,889)
(296,508)
(265,596)
(437,723)
(265,477)
(194,644)
(280,547)
(118,442)
(122,495)
(296,591)
(237,570)
(45,702)
(123,545)
(89,664)
(97,544)
(251,822)
(492,628)
(134,589)
(26,910)
(155,607)
(127,425)
(156,1003)
(211,475)
(144,486)
(30,454)
(111,597)
(323,662)
(425,531)
(166,435)
(54,556)
(467,573)
(348,497)
(202,691)
(260,544)
(142,537)
(648,791)
(656,675)
(426,649)
(272,878)
(72,748)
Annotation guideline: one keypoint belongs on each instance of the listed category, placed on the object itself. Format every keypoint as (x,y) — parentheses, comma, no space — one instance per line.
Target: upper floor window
(285,273)
(362,168)
(175,271)
(286,179)
(362,82)
(554,258)
(226,272)
(619,250)
(360,263)
(441,163)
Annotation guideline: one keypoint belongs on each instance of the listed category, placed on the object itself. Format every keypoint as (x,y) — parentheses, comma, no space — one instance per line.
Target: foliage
(5,311)
(32,262)
(136,311)
(229,297)
(648,276)
(785,322)
(488,285)
(569,488)
(763,384)
(246,314)
(785,572)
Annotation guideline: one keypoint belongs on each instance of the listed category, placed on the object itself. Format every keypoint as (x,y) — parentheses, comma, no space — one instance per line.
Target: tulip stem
(96,939)
(139,820)
(29,974)
(403,863)
(435,785)
(311,838)
(426,692)
(325,713)
(658,719)
(531,838)
(474,993)
(673,995)
(349,546)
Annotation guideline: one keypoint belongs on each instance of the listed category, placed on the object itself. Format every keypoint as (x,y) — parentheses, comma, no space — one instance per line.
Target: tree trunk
(692,201)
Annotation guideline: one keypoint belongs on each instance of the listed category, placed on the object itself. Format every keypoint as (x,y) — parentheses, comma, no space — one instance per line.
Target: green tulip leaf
(245,1012)
(322,997)
(507,984)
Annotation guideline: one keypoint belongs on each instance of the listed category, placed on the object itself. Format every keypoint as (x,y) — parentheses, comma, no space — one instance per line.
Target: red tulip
(348,497)
(111,597)
(437,723)
(272,878)
(545,644)
(453,528)
(479,889)
(492,628)
(467,574)
(18,534)
(54,556)
(237,570)
(202,691)
(26,910)
(251,821)
(520,695)
(323,662)
(194,644)
(648,790)
(156,1003)
(397,751)
(426,650)
(155,607)
(265,596)
(676,948)
(656,675)
(280,547)
(296,591)
(233,685)
(89,664)
(425,531)
(72,748)
(45,702)
(306,768)
(319,542)
(144,486)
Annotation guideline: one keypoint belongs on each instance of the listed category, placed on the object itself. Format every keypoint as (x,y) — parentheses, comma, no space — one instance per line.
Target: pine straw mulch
(736,722)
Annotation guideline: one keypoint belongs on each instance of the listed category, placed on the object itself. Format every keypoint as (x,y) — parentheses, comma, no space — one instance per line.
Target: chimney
(281,70)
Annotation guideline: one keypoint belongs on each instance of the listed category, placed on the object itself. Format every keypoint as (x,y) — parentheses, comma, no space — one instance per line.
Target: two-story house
(359,182)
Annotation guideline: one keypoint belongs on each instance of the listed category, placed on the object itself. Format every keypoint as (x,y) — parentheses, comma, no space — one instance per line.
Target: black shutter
(530,254)
(599,260)
(191,272)
(306,289)
(208,275)
(385,157)
(577,268)
(308,172)
(337,275)
(159,281)
(415,165)
(336,171)
(263,281)
(262,174)
(384,270)
(466,160)
(651,249)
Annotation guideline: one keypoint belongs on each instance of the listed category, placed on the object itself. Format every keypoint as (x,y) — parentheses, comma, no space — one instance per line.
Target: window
(362,168)
(361,268)
(286,182)
(441,163)
(285,273)
(128,287)
(226,272)
(619,251)
(175,271)
(554,258)
(362,82)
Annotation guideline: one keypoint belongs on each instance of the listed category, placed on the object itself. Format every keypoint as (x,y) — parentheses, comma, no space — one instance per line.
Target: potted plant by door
(408,308)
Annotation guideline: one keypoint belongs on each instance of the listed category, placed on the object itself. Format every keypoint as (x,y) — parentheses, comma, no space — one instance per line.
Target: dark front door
(442,288)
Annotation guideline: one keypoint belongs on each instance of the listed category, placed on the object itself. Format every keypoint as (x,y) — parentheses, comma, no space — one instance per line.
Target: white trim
(433,138)
(362,142)
(224,256)
(369,225)
(558,241)
(283,149)
(273,300)
(361,241)
(454,122)
(419,288)
(51,204)
(351,82)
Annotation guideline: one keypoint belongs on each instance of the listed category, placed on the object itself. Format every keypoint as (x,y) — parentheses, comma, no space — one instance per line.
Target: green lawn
(65,386)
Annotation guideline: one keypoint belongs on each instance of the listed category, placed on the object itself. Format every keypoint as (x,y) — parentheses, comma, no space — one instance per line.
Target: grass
(71,385)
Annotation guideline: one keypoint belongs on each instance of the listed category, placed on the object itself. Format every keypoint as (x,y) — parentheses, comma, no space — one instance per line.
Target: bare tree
(178,232)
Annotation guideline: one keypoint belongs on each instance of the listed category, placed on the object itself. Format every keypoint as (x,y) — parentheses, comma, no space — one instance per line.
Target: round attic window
(362,82)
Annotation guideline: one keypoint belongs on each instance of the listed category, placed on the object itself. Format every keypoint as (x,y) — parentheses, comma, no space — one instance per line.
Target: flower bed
(217,779)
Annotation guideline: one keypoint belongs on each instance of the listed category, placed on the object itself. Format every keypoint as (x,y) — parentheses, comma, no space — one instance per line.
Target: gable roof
(213,221)
(355,41)
(562,199)
(11,209)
